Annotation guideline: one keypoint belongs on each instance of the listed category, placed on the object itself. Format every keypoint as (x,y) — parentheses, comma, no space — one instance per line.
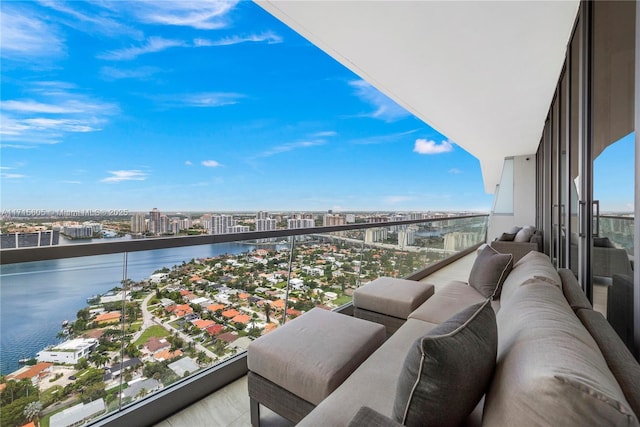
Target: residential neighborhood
(144,335)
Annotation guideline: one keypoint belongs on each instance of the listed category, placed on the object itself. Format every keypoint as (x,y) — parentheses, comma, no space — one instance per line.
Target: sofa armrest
(606,262)
(367,417)
(517,249)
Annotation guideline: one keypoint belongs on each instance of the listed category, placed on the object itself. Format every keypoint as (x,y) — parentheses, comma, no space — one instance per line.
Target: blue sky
(205,106)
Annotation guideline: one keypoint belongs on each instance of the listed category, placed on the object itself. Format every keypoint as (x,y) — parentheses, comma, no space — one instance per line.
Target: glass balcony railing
(619,229)
(91,329)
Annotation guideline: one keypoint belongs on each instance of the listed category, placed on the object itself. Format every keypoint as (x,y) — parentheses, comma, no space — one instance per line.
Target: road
(148,320)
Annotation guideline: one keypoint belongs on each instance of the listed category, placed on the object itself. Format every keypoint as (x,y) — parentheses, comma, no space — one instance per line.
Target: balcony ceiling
(482,73)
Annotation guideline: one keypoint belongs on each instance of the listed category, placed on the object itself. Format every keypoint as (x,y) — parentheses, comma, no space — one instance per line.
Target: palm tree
(32,412)
(267,311)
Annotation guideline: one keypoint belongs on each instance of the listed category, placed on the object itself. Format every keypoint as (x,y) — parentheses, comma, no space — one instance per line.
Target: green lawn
(342,300)
(154,331)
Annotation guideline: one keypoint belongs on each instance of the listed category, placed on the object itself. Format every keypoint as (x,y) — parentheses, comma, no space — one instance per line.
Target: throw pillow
(507,237)
(514,229)
(524,235)
(602,242)
(446,372)
(489,271)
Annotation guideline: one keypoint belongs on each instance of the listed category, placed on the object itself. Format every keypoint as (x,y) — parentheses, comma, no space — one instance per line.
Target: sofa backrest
(534,265)
(623,365)
(549,370)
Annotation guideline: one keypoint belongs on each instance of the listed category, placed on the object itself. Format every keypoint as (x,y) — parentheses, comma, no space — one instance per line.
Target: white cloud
(423,146)
(385,108)
(455,171)
(70,182)
(59,110)
(291,146)
(142,73)
(64,125)
(188,163)
(324,134)
(209,15)
(97,20)
(383,139)
(27,37)
(31,106)
(209,99)
(268,37)
(152,45)
(210,163)
(12,176)
(125,175)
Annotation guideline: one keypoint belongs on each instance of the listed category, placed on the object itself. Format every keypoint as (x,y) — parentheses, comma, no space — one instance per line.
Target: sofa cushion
(489,271)
(367,417)
(391,296)
(534,265)
(549,368)
(307,356)
(373,384)
(447,301)
(447,371)
(572,291)
(620,360)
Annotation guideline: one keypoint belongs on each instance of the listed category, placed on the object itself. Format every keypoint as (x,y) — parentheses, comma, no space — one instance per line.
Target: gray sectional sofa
(558,361)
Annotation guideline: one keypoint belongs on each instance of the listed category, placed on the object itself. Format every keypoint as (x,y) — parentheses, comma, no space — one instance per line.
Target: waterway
(36,297)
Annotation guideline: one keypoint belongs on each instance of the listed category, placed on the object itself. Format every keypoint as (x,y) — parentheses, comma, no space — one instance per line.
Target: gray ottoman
(293,368)
(389,301)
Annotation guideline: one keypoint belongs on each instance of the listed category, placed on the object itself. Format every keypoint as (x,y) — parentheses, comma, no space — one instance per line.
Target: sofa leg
(255,412)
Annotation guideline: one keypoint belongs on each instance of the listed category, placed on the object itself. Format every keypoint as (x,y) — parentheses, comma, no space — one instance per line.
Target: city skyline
(214,106)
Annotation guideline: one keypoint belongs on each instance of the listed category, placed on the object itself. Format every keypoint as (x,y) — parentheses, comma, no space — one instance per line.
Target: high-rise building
(154,221)
(262,215)
(372,235)
(330,220)
(138,223)
(29,239)
(165,224)
(220,224)
(238,229)
(78,231)
(300,223)
(265,224)
(175,226)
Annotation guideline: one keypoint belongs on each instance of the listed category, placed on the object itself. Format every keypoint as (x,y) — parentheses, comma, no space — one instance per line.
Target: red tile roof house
(214,330)
(190,297)
(35,373)
(203,324)
(215,307)
(230,314)
(228,337)
(241,318)
(167,355)
(108,318)
(180,310)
